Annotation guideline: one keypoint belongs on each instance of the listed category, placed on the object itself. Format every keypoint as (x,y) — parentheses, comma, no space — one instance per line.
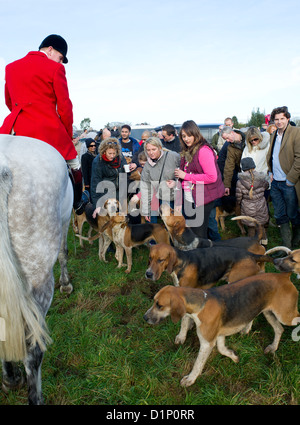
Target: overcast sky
(164,61)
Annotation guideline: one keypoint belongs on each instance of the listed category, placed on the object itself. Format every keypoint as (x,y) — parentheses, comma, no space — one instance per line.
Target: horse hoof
(68,289)
(6,386)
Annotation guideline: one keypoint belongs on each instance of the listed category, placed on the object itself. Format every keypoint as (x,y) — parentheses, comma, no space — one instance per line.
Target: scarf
(152,162)
(92,154)
(188,153)
(115,163)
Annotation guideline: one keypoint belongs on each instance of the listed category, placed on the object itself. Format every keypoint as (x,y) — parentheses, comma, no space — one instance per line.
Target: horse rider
(37,95)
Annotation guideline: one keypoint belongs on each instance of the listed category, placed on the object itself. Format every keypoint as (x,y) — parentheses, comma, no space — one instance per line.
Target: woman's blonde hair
(252,183)
(155,141)
(253,132)
(110,143)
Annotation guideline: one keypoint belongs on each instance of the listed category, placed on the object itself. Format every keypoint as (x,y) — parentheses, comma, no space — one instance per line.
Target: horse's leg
(33,363)
(64,280)
(12,377)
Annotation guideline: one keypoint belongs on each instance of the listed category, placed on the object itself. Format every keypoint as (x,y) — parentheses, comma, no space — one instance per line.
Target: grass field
(104,353)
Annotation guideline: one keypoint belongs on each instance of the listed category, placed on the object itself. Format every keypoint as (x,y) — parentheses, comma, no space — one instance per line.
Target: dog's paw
(270,349)
(180,339)
(127,271)
(187,381)
(234,357)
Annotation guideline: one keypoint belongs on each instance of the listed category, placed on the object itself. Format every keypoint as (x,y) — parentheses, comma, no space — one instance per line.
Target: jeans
(285,203)
(153,218)
(213,231)
(199,217)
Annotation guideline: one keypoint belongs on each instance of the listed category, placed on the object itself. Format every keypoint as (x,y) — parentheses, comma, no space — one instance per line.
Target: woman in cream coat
(257,147)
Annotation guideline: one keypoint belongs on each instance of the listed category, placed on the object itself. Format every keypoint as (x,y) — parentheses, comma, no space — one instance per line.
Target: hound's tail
(90,238)
(258,227)
(21,323)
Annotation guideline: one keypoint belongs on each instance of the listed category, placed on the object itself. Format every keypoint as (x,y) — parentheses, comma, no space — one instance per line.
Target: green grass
(103,352)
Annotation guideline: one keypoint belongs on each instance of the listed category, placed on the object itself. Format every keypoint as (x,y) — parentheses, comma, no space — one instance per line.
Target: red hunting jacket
(36,93)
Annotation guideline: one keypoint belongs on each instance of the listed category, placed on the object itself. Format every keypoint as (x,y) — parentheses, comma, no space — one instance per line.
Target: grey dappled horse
(35,207)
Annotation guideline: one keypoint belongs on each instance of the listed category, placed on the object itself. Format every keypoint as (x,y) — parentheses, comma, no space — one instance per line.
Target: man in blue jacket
(129,145)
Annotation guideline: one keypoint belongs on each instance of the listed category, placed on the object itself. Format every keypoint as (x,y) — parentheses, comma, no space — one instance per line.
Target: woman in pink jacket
(36,93)
(200,178)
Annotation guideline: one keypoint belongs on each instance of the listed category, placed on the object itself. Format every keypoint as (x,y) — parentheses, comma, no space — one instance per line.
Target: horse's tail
(21,322)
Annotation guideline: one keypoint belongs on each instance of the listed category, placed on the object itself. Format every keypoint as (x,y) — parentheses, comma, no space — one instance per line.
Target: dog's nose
(277,261)
(149,274)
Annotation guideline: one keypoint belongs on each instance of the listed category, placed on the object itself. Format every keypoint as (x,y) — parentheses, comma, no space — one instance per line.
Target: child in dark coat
(250,190)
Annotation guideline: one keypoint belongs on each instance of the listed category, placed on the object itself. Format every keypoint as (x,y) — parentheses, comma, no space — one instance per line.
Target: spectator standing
(146,134)
(170,140)
(129,145)
(284,166)
(271,128)
(91,134)
(234,150)
(106,167)
(257,147)
(87,161)
(198,166)
(217,141)
(157,175)
(250,190)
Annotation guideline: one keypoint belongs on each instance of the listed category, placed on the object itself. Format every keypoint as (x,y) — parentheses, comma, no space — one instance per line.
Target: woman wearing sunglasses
(87,161)
(257,147)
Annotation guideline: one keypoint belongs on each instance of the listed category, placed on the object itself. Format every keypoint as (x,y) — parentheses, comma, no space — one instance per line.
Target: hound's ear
(178,309)
(177,224)
(105,226)
(172,261)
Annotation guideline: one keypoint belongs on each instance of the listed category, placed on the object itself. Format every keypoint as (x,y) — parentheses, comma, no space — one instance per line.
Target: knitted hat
(247,164)
(58,43)
(88,142)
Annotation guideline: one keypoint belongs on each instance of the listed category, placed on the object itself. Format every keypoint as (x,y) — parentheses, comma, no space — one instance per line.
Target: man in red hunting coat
(36,93)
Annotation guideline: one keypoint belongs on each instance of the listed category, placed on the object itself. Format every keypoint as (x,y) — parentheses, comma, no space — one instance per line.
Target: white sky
(164,61)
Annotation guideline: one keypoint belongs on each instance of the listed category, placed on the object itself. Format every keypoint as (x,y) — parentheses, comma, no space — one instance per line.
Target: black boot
(296,237)
(286,235)
(78,203)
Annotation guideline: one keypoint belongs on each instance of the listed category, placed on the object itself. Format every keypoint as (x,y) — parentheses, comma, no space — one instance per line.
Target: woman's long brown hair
(191,129)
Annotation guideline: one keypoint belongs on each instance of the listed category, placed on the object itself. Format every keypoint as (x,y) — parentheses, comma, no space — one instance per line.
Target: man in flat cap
(37,95)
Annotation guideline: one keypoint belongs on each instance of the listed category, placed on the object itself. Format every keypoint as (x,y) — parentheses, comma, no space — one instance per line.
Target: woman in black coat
(106,169)
(86,163)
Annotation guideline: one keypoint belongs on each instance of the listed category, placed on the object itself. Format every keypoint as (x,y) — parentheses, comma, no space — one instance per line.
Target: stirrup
(80,208)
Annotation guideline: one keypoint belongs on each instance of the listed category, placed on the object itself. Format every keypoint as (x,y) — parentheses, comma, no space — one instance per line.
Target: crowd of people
(248,168)
(184,169)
